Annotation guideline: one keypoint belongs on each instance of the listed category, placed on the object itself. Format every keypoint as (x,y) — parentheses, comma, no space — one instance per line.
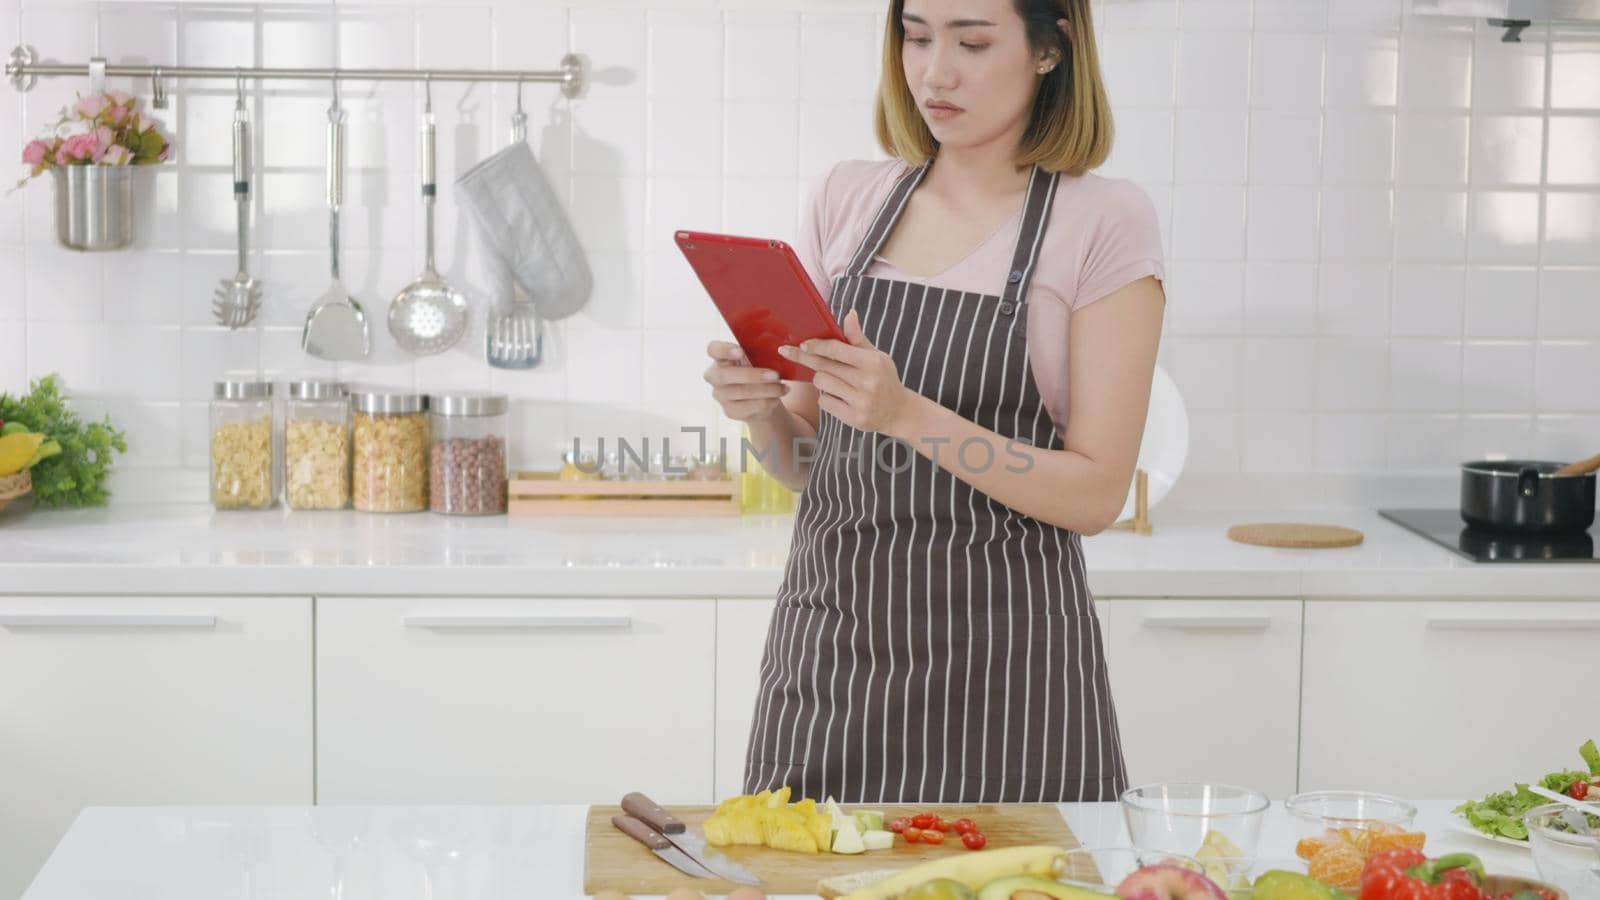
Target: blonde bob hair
(1070,128)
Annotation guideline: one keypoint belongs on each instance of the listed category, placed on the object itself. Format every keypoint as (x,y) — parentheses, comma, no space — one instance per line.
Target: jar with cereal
(468,463)
(316,446)
(389,471)
(243,438)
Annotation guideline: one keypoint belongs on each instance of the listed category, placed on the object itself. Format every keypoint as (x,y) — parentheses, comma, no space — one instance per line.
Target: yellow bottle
(759,491)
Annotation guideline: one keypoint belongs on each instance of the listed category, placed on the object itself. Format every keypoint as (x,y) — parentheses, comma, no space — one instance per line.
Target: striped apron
(930,644)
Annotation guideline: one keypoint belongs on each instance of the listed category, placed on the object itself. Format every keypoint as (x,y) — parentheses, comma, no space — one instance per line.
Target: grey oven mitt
(520,218)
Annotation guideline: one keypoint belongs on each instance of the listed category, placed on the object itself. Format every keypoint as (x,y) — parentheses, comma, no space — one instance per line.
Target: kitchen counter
(478,852)
(191,549)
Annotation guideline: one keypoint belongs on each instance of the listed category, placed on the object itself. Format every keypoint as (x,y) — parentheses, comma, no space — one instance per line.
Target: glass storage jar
(467,466)
(243,439)
(389,449)
(316,446)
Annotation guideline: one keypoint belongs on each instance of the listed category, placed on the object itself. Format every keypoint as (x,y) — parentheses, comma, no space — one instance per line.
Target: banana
(972,869)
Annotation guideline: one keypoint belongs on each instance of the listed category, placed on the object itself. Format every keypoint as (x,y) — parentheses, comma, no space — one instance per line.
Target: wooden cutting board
(614,861)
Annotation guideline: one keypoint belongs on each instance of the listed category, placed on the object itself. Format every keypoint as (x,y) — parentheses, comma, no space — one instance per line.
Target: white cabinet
(168,700)
(479,700)
(1206,690)
(741,637)
(1446,698)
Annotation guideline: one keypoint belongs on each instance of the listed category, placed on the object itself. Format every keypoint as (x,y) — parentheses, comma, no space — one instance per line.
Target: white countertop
(470,852)
(191,549)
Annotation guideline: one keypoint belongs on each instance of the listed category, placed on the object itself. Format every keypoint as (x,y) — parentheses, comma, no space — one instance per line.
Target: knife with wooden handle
(660,846)
(694,846)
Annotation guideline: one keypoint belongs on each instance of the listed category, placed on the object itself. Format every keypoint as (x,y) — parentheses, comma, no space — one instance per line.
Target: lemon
(16,450)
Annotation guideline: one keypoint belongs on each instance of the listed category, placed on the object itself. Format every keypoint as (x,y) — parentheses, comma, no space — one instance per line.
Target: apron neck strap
(1035,216)
(884,221)
(1030,237)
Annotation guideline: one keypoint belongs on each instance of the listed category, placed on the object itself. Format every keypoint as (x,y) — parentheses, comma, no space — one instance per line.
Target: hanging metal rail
(23,69)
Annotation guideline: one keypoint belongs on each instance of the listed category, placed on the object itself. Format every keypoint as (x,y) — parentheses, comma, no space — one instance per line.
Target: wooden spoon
(1581,467)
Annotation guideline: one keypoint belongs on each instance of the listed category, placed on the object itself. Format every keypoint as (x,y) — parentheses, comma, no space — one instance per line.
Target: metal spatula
(237,299)
(515,336)
(336,327)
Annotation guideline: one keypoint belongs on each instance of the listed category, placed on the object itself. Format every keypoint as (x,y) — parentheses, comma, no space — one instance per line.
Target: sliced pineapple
(787,833)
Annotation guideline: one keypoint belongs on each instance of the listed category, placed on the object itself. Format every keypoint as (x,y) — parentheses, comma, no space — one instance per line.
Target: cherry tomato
(923,820)
(1579,790)
(941,825)
(974,840)
(898,826)
(912,834)
(964,826)
(933,837)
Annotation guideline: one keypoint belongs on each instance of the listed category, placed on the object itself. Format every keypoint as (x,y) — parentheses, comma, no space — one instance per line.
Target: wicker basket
(14,486)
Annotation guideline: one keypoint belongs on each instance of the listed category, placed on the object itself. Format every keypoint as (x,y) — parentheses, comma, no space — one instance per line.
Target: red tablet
(764,293)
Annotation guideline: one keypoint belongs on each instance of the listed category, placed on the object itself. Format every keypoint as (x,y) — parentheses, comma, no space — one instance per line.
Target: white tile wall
(1384,231)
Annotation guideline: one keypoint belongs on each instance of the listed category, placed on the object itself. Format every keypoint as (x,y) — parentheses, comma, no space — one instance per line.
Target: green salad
(1500,814)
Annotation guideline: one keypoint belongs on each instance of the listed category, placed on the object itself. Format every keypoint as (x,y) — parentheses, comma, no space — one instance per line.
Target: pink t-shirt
(1102,235)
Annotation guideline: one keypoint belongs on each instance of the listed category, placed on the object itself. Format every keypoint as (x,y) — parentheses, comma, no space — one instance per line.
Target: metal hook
(427,93)
(519,119)
(159,100)
(238,88)
(335,82)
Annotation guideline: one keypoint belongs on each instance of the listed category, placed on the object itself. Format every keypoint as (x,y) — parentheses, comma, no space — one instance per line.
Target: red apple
(1168,882)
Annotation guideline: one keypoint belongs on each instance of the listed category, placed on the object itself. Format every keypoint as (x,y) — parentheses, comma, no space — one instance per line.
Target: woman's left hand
(859,383)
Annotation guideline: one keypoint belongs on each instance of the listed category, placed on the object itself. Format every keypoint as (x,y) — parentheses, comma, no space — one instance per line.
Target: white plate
(1459,823)
(1166,441)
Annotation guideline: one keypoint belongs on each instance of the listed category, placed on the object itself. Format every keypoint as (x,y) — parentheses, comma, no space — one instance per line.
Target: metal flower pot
(94,206)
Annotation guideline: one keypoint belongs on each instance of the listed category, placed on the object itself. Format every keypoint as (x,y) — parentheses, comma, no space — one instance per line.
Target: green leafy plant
(76,476)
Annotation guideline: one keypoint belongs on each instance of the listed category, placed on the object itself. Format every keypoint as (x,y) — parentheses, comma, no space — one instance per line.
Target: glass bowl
(1175,817)
(1101,869)
(1569,860)
(1314,812)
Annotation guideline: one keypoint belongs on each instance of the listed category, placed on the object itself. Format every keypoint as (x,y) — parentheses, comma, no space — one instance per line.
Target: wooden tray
(614,861)
(1504,884)
(543,494)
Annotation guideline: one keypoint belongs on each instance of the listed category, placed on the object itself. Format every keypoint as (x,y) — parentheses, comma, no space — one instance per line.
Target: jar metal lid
(388,402)
(317,390)
(468,404)
(241,390)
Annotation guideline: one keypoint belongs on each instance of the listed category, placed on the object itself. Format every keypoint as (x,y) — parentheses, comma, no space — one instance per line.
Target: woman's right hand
(745,392)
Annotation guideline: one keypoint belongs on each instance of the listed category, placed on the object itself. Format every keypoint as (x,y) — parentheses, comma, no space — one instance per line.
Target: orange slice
(1338,865)
(1398,840)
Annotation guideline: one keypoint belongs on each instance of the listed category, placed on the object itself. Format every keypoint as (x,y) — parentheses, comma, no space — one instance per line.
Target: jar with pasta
(316,446)
(390,447)
(467,469)
(243,440)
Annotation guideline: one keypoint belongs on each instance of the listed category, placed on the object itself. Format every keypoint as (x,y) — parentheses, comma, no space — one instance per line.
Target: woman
(934,638)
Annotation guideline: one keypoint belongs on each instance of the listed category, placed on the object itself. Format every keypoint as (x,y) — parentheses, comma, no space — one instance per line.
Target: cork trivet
(1295,534)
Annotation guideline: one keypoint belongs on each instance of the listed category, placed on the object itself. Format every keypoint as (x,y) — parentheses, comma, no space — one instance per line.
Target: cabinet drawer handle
(530,623)
(1208,623)
(107,620)
(1488,623)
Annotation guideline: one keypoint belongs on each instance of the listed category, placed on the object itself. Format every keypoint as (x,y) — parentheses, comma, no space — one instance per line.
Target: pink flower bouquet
(99,129)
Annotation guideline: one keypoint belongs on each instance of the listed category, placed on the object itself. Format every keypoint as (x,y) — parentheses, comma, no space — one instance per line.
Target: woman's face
(970,68)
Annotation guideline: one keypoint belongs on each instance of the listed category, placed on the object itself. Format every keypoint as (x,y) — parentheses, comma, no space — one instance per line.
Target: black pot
(1526,497)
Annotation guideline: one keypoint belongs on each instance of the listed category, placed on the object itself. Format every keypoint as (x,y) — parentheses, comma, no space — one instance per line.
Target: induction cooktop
(1445,528)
